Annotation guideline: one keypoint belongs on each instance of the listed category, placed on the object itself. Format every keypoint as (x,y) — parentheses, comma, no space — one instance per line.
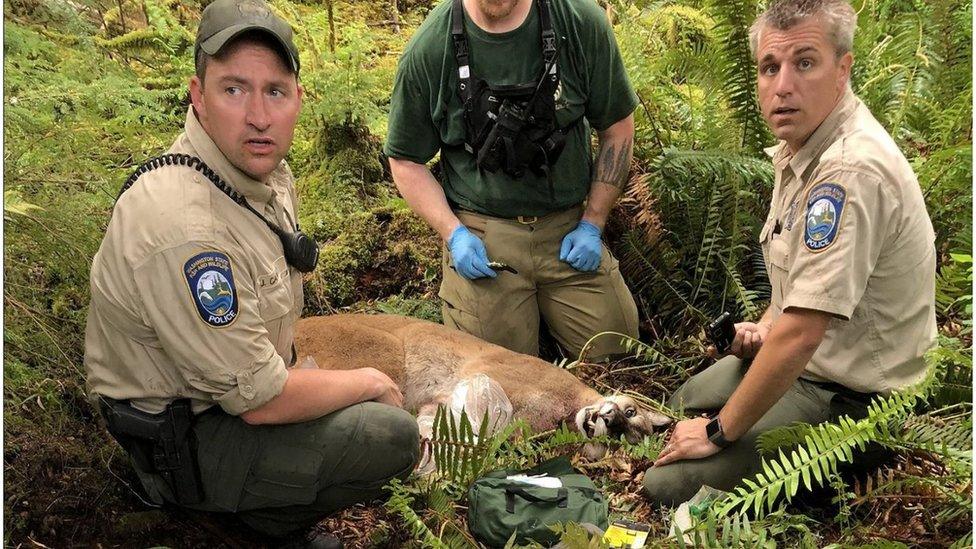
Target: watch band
(715,433)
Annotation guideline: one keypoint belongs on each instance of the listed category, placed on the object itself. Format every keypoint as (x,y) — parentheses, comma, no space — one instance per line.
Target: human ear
(845,62)
(196,96)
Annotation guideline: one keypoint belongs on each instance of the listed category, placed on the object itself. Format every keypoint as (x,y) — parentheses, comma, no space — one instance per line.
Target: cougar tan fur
(427,360)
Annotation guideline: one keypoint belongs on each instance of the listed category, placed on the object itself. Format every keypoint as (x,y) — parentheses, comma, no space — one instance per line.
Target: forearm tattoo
(613,163)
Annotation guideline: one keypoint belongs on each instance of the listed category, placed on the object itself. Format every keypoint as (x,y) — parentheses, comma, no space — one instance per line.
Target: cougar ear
(657,419)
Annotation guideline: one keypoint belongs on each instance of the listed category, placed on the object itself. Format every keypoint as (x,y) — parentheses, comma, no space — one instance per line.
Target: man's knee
(669,485)
(710,388)
(391,433)
(611,309)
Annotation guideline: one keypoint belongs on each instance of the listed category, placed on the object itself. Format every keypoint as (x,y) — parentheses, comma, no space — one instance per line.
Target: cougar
(427,361)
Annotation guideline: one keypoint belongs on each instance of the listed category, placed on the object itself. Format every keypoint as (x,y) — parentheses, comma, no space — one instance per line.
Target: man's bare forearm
(424,195)
(312,393)
(612,170)
(793,339)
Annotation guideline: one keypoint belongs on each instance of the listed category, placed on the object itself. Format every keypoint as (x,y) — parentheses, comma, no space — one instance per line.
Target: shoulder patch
(825,204)
(211,283)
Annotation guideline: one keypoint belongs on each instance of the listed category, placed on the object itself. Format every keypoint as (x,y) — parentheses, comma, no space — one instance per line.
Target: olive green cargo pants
(506,310)
(708,391)
(280,479)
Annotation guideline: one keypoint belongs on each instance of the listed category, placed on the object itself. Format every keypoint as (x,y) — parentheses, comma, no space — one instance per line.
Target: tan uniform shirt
(191,294)
(848,234)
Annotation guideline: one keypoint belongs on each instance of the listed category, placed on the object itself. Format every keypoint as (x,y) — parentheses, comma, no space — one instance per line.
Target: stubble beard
(497,9)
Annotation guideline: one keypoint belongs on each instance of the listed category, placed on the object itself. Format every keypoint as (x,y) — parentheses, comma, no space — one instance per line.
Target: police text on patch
(825,204)
(210,279)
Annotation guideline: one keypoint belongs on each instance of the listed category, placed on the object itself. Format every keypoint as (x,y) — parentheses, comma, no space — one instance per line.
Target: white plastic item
(544,481)
(474,395)
(682,515)
(477,394)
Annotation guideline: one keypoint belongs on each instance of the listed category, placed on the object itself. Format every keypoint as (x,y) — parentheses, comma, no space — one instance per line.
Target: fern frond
(745,298)
(825,446)
(963,542)
(648,448)
(574,536)
(710,204)
(15,204)
(733,18)
(676,165)
(711,240)
(400,503)
(459,454)
(932,431)
(783,437)
(644,352)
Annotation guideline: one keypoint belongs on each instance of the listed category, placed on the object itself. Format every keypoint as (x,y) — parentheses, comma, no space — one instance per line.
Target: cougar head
(616,415)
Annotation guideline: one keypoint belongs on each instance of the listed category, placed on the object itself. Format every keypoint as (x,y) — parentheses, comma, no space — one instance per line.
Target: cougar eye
(630,412)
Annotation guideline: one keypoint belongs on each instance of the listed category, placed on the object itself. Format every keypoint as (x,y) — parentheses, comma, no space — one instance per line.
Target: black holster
(162,444)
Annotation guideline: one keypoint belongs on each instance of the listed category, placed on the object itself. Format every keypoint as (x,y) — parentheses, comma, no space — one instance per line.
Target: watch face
(714,432)
(711,429)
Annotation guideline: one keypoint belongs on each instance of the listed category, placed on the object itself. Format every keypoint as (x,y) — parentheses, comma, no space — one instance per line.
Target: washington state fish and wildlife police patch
(211,283)
(825,203)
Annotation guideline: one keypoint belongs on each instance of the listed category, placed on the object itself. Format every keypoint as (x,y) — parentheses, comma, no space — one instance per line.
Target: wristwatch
(715,433)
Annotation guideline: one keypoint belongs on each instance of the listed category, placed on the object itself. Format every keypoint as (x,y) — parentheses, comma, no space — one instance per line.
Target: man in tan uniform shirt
(850,253)
(192,298)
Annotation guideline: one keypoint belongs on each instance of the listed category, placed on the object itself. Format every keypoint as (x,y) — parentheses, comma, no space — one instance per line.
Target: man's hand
(581,248)
(468,254)
(386,390)
(749,337)
(688,441)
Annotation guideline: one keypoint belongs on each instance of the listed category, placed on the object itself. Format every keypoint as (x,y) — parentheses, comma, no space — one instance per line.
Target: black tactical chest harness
(511,128)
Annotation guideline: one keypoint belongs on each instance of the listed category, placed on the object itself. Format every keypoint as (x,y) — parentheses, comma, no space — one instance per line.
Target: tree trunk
(395,16)
(328,5)
(121,16)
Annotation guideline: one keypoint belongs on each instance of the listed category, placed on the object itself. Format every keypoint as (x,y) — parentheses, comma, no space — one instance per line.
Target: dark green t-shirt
(425,110)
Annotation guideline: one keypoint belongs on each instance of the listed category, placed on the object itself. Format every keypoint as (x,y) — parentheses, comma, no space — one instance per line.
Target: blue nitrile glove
(468,254)
(582,247)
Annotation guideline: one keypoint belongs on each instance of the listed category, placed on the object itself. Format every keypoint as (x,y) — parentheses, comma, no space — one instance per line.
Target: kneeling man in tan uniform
(850,253)
(195,293)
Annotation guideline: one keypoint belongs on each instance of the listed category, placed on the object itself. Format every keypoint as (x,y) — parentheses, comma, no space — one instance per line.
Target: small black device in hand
(722,331)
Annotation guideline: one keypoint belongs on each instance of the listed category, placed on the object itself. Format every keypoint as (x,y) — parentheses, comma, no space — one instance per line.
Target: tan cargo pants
(506,310)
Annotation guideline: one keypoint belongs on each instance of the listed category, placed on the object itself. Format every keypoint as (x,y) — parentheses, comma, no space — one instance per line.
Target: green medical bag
(499,506)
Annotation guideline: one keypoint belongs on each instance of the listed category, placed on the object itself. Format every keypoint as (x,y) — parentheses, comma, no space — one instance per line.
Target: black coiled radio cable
(301,251)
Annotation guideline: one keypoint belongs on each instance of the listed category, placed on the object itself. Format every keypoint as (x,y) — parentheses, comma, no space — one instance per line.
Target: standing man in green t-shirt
(507,91)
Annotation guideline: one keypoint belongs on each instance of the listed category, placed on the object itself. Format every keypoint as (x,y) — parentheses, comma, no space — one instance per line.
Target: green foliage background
(92,88)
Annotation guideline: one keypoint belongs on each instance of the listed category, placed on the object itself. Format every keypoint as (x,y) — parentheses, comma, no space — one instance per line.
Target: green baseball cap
(225,19)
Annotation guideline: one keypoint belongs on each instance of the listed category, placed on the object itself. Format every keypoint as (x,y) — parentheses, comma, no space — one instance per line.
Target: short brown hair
(838,15)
